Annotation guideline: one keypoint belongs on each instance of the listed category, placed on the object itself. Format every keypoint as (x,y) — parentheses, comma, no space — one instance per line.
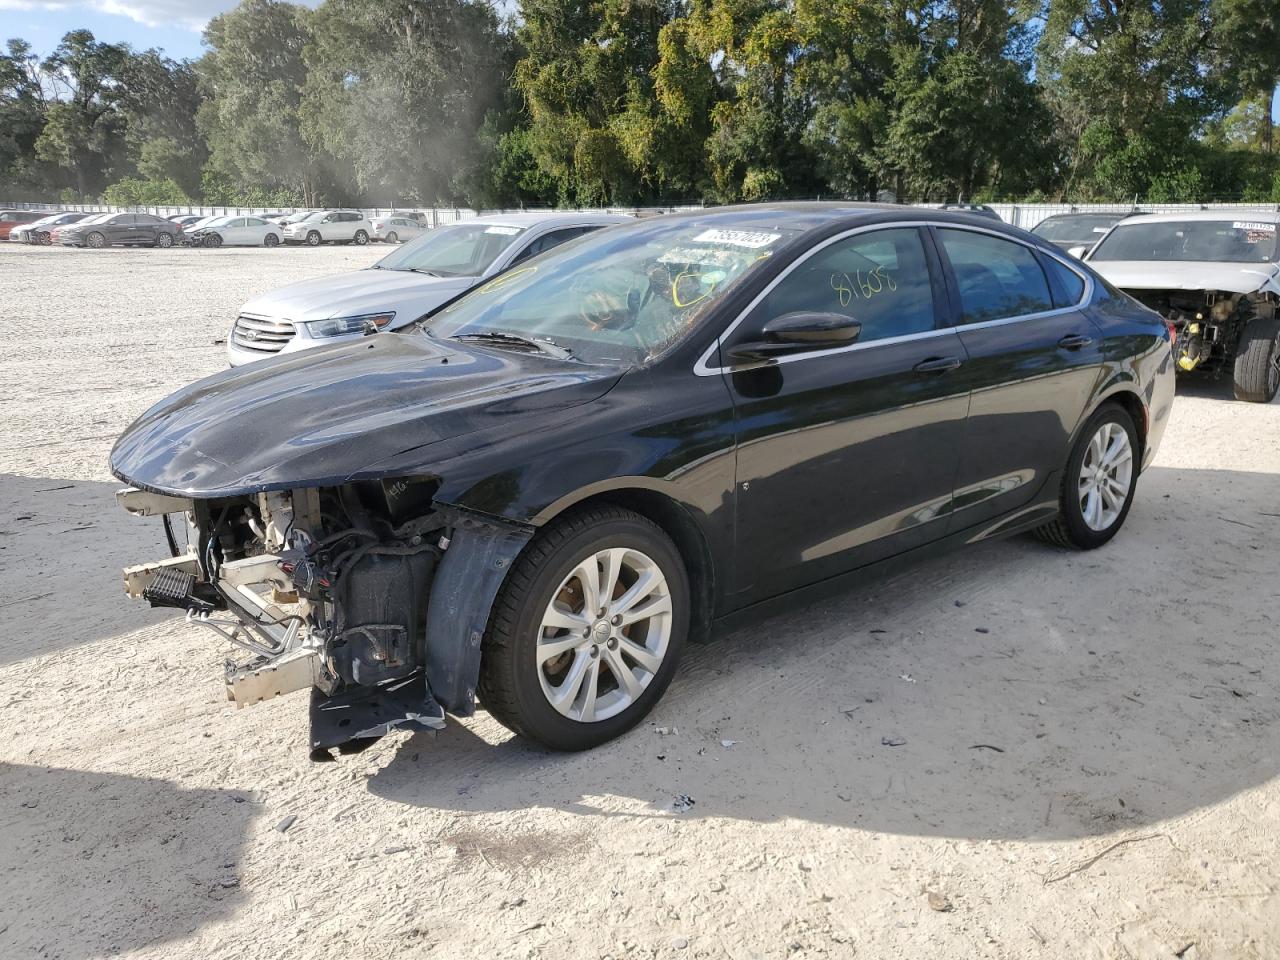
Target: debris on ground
(891,741)
(286,823)
(939,902)
(682,803)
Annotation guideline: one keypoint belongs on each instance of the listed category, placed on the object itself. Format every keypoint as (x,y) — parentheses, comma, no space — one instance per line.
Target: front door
(847,456)
(1034,362)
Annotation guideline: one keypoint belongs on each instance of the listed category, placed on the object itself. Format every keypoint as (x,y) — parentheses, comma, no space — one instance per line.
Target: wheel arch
(644,496)
(1124,394)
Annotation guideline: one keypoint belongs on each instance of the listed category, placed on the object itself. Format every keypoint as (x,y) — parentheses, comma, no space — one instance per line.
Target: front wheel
(361,238)
(164,241)
(271,240)
(44,239)
(1257,367)
(1097,488)
(587,630)
(95,240)
(313,238)
(213,241)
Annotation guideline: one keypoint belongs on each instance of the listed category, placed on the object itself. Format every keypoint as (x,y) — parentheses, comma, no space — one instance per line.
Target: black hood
(325,416)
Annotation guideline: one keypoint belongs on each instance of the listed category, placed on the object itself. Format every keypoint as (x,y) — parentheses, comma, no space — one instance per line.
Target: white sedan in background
(235,232)
(396,228)
(405,284)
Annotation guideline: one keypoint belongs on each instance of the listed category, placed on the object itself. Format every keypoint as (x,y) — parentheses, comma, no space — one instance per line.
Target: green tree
(253,78)
(397,91)
(83,133)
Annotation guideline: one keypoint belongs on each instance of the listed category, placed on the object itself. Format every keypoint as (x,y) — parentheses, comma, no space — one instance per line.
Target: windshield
(621,295)
(1085,229)
(1214,241)
(462,250)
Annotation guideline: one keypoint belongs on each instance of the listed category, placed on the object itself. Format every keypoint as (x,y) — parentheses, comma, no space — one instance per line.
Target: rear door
(1033,365)
(847,456)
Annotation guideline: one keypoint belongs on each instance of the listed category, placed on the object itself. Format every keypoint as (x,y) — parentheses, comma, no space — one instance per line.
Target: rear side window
(881,279)
(1067,285)
(997,278)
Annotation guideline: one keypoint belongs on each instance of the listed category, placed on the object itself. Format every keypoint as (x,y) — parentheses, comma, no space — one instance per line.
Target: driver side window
(881,279)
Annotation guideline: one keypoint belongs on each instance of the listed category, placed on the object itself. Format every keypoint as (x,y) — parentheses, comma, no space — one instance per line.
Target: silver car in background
(397,228)
(402,286)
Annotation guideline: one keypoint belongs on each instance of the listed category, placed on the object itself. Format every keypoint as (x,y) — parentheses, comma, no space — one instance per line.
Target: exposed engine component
(1207,323)
(330,589)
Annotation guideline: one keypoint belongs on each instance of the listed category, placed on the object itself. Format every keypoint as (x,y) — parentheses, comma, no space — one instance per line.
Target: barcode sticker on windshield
(503,231)
(1243,225)
(737,238)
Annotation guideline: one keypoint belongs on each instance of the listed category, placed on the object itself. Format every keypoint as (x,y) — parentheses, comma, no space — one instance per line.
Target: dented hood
(1182,275)
(329,415)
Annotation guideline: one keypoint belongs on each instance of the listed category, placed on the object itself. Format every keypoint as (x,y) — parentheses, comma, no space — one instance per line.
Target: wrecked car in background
(533,496)
(1215,277)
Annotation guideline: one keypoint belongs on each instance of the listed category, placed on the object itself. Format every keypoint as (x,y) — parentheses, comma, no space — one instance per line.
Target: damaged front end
(1207,324)
(369,593)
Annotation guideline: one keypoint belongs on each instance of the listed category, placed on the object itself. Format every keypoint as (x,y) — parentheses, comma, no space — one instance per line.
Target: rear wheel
(361,238)
(95,240)
(392,238)
(1257,368)
(587,630)
(271,240)
(313,238)
(164,241)
(1097,488)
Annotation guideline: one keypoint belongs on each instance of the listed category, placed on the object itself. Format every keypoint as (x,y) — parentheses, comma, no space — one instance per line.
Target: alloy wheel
(361,238)
(604,634)
(1106,476)
(95,240)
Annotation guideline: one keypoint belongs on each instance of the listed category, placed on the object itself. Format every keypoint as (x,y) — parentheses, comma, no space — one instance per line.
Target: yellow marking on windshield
(506,279)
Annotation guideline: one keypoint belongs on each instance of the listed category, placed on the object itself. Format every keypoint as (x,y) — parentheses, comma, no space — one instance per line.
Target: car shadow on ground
(1005,691)
(116,863)
(62,545)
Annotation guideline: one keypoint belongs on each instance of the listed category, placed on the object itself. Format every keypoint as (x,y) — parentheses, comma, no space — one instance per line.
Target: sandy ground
(1087,758)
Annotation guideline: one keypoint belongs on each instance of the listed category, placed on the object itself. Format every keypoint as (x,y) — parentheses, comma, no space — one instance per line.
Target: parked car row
(312,228)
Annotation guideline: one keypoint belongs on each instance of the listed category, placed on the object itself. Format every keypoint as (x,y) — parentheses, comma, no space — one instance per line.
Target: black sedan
(119,229)
(539,493)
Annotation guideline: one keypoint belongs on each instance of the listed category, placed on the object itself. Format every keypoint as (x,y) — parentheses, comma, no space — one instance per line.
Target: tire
(361,238)
(164,241)
(517,689)
(95,240)
(271,240)
(1087,529)
(44,239)
(1257,367)
(213,241)
(314,239)
(392,238)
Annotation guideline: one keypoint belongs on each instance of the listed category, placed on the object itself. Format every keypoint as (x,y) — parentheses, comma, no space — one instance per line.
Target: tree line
(622,102)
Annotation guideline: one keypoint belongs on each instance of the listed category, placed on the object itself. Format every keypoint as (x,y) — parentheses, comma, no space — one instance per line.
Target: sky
(172,25)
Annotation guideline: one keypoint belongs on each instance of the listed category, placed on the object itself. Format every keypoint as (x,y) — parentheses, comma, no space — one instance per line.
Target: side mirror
(1077,252)
(799,332)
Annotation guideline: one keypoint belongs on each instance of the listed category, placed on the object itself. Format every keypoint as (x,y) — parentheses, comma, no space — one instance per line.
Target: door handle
(1074,341)
(937,365)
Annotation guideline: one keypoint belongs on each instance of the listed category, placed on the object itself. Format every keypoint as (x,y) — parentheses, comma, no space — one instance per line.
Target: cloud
(185,14)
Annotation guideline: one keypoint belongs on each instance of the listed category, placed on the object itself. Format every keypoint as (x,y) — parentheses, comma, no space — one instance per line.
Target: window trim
(703,367)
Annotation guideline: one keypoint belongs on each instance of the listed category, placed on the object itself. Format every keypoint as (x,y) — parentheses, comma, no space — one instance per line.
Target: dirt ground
(1069,754)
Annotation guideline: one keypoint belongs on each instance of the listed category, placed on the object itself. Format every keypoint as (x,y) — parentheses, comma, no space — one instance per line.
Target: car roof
(1251,216)
(1087,213)
(533,219)
(816,214)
